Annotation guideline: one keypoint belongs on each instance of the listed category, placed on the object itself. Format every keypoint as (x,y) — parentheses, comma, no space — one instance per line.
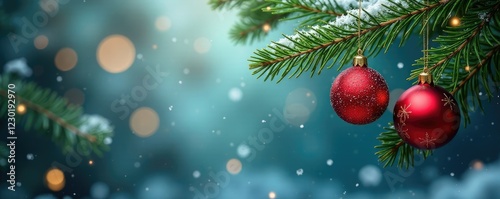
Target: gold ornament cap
(360,60)
(425,78)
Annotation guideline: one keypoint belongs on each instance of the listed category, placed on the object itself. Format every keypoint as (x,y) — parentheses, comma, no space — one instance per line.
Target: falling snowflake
(427,140)
(448,101)
(300,172)
(403,113)
(329,162)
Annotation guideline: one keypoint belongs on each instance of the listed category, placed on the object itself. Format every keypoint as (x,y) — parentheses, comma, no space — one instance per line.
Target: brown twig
(476,68)
(467,41)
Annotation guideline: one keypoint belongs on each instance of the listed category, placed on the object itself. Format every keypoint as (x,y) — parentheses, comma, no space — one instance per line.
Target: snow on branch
(347,21)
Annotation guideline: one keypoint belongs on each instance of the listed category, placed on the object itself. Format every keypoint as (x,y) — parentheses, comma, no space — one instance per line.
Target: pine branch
(221,4)
(313,11)
(255,22)
(308,50)
(251,30)
(484,61)
(51,115)
(393,149)
(457,62)
(467,57)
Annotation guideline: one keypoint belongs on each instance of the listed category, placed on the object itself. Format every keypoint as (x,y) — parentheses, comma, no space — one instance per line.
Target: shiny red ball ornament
(359,95)
(426,116)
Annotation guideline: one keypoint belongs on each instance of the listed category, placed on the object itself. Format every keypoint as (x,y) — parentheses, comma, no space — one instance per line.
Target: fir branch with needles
(465,59)
(255,20)
(52,116)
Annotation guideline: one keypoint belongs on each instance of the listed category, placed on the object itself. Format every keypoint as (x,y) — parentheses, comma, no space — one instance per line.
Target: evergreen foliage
(464,58)
(51,115)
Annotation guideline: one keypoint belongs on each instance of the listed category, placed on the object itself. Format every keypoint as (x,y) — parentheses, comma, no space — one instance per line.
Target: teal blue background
(201,139)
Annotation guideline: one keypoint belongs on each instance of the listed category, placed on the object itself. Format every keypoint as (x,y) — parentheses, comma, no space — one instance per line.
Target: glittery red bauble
(426,116)
(359,95)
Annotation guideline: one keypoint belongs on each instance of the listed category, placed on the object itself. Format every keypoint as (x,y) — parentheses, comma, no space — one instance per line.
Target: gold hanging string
(425,24)
(360,52)
(425,76)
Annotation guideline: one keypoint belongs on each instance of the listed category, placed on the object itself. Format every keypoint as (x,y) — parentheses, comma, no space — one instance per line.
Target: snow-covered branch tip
(344,22)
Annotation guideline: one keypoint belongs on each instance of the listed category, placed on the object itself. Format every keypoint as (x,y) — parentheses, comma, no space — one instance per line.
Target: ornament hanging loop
(360,61)
(425,78)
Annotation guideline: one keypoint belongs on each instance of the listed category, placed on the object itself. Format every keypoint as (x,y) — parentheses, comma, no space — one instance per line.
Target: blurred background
(190,120)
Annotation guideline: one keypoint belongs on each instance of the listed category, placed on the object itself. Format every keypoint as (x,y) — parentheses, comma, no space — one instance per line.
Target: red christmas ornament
(359,95)
(426,116)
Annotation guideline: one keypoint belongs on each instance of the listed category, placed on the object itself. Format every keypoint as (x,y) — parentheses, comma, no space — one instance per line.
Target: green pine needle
(393,148)
(465,59)
(51,115)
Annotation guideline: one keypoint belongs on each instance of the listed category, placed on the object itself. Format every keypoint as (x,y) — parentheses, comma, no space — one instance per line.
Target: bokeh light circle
(55,179)
(235,94)
(51,7)
(272,195)
(370,175)
(99,190)
(477,165)
(234,166)
(144,122)
(163,23)
(116,53)
(299,105)
(66,59)
(41,42)
(202,45)
(21,109)
(243,150)
(75,96)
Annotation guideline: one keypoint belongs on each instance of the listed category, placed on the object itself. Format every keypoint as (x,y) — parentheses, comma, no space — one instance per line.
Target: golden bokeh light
(91,162)
(144,122)
(477,165)
(116,53)
(467,68)
(21,109)
(75,96)
(266,27)
(55,179)
(41,42)
(51,7)
(234,166)
(163,23)
(202,45)
(272,195)
(455,21)
(66,59)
